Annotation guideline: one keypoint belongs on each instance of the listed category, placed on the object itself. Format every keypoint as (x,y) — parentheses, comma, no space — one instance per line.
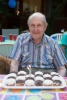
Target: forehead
(36,20)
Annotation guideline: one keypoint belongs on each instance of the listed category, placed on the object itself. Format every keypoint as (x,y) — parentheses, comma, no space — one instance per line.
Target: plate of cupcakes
(38,80)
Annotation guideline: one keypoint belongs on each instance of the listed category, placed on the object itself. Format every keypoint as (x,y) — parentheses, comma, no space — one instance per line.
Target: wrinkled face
(37,27)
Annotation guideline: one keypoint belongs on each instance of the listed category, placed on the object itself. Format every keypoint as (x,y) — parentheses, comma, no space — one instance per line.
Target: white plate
(33,87)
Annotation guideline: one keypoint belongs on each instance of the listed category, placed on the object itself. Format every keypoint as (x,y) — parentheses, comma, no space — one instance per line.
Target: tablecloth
(8,42)
(32,94)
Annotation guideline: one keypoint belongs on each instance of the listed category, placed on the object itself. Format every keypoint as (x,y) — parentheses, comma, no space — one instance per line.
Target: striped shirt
(46,54)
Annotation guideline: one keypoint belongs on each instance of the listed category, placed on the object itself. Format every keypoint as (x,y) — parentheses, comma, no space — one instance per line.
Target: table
(6,47)
(36,94)
(7,42)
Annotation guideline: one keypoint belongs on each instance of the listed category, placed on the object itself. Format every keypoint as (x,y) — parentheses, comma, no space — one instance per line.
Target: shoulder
(49,40)
(23,36)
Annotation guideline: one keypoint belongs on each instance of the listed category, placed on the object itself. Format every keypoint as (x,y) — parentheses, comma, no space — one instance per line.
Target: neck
(37,41)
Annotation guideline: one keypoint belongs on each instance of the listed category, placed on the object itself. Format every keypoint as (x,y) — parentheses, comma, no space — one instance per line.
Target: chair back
(5,49)
(57,36)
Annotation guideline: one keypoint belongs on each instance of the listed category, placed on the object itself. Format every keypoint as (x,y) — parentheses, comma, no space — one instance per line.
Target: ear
(45,26)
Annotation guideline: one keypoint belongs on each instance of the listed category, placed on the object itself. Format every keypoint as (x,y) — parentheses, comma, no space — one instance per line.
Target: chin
(36,37)
(4,65)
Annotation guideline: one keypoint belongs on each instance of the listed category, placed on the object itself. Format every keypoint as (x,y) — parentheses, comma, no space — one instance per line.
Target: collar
(44,41)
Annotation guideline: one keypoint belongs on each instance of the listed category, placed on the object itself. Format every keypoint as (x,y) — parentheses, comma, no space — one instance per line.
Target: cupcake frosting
(39,78)
(54,73)
(47,75)
(29,82)
(30,75)
(47,82)
(20,78)
(56,78)
(22,72)
(10,81)
(39,73)
(12,75)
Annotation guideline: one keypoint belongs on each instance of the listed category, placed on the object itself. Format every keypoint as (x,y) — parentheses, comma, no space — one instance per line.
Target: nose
(36,28)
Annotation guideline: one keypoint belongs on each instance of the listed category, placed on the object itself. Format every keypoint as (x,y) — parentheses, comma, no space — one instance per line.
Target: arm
(16,51)
(63,49)
(15,55)
(60,60)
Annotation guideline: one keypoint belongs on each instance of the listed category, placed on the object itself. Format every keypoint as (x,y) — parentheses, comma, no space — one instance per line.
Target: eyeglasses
(36,26)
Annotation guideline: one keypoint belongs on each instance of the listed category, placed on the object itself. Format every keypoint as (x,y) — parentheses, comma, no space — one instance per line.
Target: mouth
(36,33)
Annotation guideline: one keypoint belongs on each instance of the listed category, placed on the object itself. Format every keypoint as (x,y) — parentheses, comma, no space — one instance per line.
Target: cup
(10,36)
(15,37)
(1,38)
(4,38)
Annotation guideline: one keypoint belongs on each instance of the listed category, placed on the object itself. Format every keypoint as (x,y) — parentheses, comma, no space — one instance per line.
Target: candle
(29,68)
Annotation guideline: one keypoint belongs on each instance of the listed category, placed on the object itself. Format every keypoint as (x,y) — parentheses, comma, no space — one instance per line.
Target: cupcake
(56,77)
(47,75)
(54,73)
(38,73)
(10,82)
(22,73)
(29,76)
(12,75)
(20,80)
(48,82)
(56,80)
(39,81)
(29,82)
(57,83)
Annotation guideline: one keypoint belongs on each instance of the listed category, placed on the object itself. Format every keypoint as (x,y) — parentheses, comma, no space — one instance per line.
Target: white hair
(37,14)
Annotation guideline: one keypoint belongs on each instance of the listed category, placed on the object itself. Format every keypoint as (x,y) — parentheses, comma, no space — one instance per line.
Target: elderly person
(37,49)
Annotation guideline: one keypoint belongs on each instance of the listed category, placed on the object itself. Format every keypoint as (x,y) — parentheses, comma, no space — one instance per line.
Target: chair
(5,49)
(57,36)
(5,64)
(6,32)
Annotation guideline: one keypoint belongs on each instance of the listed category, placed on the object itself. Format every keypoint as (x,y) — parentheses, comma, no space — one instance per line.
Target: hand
(14,66)
(62,71)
